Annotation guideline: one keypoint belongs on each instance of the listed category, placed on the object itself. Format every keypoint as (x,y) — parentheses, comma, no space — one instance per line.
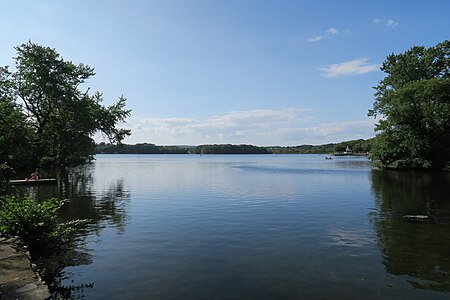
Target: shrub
(36,224)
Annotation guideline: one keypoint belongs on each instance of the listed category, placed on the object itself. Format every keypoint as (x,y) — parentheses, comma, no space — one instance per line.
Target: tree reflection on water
(419,250)
(105,208)
(102,208)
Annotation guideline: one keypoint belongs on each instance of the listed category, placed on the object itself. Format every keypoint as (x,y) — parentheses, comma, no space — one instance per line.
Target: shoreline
(18,280)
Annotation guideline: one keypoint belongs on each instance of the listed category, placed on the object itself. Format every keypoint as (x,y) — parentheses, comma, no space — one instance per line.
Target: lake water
(254,227)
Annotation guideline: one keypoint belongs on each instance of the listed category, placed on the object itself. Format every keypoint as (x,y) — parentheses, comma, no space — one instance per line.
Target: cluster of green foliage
(36,224)
(228,149)
(45,117)
(358,146)
(16,134)
(141,148)
(413,101)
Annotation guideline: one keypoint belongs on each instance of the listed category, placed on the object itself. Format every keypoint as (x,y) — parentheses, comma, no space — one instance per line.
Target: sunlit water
(255,227)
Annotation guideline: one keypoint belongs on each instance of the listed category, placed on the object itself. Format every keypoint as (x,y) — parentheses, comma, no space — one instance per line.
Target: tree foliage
(37,224)
(15,134)
(413,101)
(60,116)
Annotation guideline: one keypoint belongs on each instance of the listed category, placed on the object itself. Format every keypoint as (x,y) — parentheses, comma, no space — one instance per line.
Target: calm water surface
(254,227)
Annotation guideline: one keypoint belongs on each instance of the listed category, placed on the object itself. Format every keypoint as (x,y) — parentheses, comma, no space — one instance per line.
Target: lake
(254,227)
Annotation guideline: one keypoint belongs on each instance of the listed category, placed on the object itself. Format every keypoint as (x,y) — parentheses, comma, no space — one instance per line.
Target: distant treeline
(358,146)
(229,149)
(143,148)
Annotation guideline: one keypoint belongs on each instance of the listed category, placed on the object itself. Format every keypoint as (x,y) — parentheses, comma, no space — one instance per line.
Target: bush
(36,224)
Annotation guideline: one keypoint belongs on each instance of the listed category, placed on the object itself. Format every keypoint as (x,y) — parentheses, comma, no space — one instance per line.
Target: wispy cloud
(255,117)
(385,22)
(233,125)
(315,39)
(352,67)
(392,23)
(332,30)
(287,126)
(328,33)
(331,132)
(165,121)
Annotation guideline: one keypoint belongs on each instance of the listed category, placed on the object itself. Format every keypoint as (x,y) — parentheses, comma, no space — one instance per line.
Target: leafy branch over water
(36,224)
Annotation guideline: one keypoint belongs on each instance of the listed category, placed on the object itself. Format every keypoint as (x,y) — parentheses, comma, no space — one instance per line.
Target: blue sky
(255,72)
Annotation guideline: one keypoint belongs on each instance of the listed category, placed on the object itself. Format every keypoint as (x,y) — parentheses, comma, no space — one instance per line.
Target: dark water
(254,227)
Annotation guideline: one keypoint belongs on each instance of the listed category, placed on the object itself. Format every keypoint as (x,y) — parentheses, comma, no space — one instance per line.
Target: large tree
(413,101)
(63,116)
(15,134)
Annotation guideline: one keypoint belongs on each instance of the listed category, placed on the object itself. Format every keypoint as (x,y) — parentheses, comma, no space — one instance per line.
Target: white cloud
(328,33)
(257,116)
(331,132)
(247,126)
(287,126)
(332,31)
(392,23)
(352,67)
(315,38)
(165,121)
(385,22)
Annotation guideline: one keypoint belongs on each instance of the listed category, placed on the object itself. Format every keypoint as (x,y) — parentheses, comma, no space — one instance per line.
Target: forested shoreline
(357,146)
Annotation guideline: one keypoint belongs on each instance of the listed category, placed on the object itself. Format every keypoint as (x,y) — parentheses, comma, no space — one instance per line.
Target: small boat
(32,182)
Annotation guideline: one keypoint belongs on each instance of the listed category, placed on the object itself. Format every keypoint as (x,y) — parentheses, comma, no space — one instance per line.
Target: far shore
(354,147)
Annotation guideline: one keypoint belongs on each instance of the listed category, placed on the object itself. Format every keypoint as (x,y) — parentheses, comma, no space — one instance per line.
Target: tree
(15,134)
(413,101)
(63,117)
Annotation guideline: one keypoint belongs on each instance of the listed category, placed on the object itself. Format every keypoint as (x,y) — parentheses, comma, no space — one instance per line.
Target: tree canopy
(15,134)
(413,101)
(57,119)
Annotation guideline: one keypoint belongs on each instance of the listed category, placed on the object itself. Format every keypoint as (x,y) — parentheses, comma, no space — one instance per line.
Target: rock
(17,279)
(26,288)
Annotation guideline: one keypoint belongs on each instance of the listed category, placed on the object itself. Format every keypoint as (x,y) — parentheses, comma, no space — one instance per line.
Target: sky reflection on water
(256,227)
